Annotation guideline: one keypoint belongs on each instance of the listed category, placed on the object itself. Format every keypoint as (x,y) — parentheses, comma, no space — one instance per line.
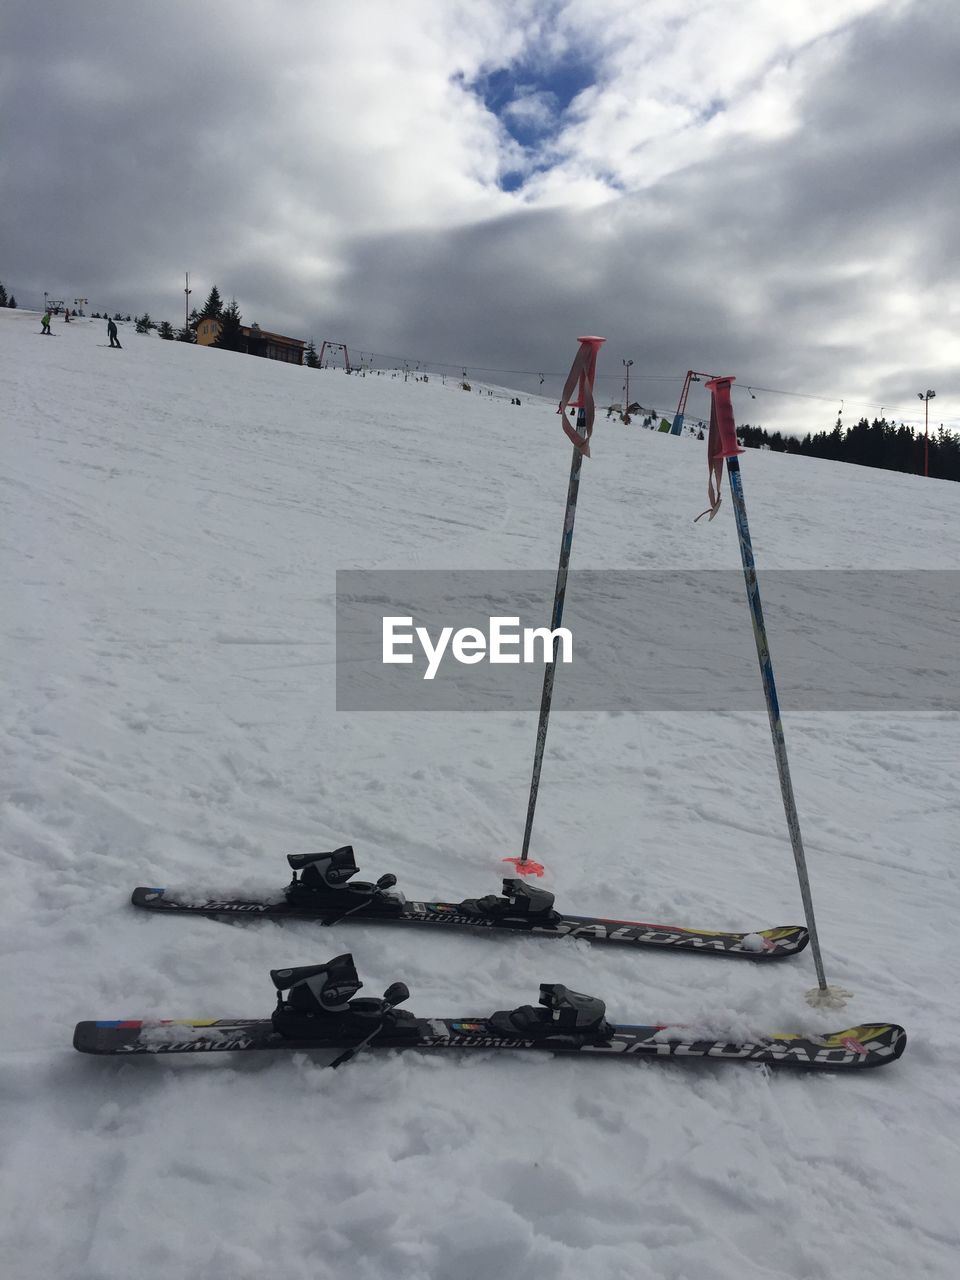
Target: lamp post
(926,428)
(626,391)
(186,302)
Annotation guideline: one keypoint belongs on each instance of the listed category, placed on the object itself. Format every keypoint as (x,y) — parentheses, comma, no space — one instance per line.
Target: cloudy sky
(767,188)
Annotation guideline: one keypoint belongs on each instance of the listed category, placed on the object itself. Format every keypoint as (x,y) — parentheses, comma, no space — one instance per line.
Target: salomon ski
(320,891)
(316,1009)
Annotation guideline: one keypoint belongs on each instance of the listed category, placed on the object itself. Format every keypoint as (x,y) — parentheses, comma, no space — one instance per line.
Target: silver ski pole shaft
(582,372)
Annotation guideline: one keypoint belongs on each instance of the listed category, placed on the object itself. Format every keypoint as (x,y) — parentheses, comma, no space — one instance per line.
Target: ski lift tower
(335,348)
(692,376)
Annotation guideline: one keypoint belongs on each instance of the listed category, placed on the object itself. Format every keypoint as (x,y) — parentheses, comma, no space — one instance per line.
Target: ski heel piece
(320,988)
(564,1014)
(320,880)
(520,901)
(319,1005)
(329,869)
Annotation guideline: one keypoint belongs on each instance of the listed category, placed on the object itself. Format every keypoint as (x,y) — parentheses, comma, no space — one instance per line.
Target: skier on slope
(45,323)
(112,334)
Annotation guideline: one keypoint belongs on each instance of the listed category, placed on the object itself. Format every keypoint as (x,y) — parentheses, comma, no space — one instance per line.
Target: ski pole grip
(581,376)
(590,371)
(719,388)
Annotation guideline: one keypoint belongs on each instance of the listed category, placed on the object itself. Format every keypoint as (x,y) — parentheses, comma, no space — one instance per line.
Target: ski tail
(122,1036)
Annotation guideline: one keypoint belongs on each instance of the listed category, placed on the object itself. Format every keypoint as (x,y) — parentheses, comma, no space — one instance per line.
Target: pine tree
(166,331)
(144,323)
(187,334)
(311,359)
(213,307)
(12,302)
(3,295)
(230,337)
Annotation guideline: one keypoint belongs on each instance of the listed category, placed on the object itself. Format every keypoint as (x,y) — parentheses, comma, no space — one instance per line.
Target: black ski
(319,891)
(315,1010)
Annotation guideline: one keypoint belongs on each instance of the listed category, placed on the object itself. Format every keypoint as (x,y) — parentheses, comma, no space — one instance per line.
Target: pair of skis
(315,1008)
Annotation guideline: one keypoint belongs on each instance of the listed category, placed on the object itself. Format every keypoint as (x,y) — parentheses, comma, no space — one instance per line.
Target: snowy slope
(172,519)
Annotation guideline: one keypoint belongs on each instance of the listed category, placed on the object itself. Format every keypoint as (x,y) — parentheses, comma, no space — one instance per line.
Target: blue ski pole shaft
(773,709)
(546,697)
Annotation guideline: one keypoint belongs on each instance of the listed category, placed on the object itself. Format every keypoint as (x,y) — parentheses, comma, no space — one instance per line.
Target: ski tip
(786,939)
(899,1036)
(772,944)
(872,1044)
(875,1044)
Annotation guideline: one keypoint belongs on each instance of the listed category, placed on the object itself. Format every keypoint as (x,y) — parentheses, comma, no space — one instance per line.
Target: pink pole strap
(581,375)
(721,442)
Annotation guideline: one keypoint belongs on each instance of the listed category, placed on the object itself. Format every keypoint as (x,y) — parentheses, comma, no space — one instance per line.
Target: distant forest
(870,444)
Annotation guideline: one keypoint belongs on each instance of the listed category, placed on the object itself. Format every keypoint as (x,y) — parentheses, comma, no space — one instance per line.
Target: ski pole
(723,445)
(581,375)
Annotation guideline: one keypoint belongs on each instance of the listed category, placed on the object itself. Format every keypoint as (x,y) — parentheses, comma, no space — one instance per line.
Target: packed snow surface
(172,519)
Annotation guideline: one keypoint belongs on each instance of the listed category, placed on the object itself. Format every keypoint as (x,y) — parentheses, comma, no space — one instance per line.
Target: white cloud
(532,108)
(676,81)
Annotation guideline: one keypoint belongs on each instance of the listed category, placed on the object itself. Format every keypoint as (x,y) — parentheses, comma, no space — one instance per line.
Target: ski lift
(334,348)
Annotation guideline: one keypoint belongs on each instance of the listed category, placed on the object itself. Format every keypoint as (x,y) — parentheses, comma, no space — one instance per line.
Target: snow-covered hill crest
(172,521)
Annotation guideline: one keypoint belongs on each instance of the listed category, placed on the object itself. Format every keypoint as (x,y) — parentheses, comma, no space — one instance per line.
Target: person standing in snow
(45,323)
(112,334)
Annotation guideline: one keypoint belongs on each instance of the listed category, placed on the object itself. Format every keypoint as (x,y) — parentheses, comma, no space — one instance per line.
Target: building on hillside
(255,342)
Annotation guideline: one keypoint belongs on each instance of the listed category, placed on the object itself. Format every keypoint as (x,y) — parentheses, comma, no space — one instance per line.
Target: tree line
(230,337)
(5,299)
(889,445)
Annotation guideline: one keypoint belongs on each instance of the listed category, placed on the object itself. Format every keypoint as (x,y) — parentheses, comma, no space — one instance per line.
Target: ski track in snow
(172,522)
